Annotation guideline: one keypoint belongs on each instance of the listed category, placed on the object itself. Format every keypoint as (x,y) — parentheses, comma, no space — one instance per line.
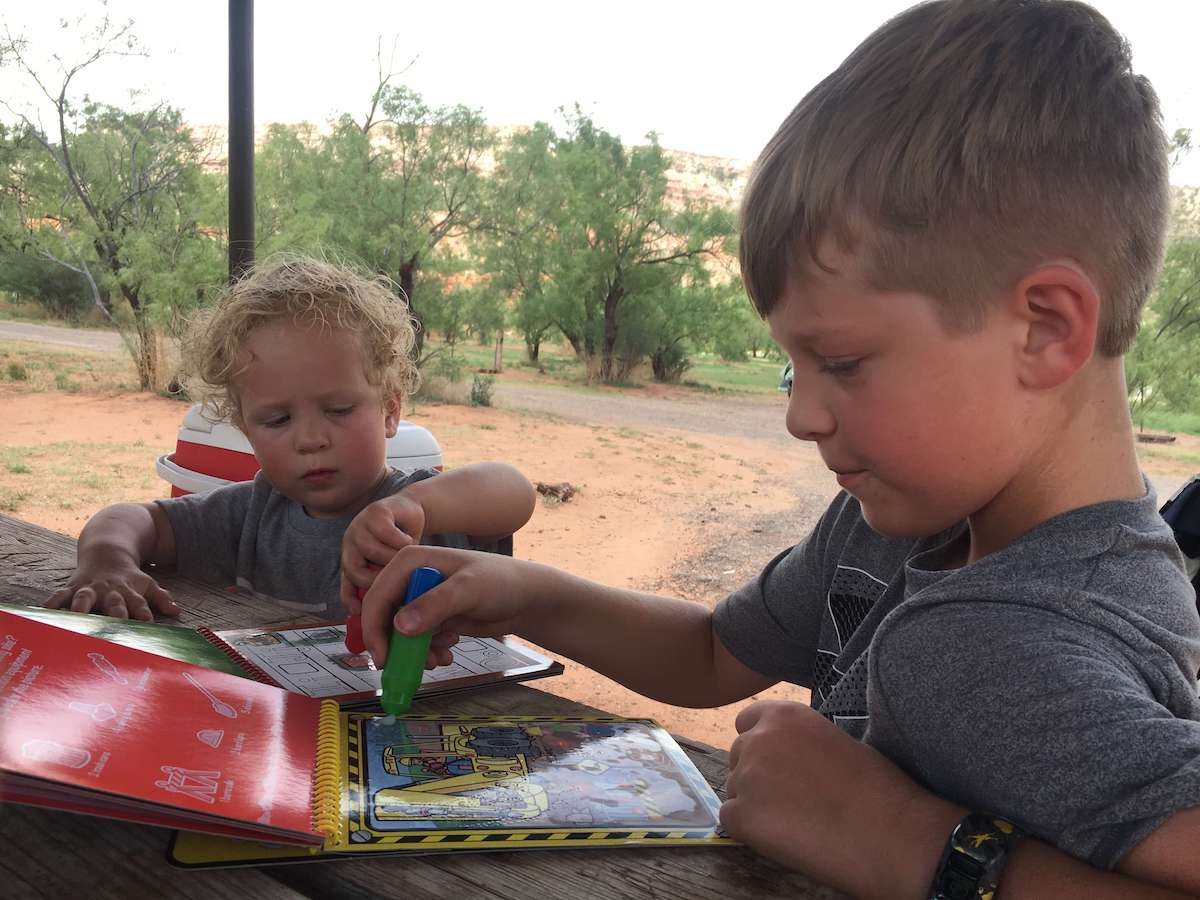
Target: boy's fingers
(349,595)
(748,717)
(113,604)
(439,658)
(444,640)
(373,551)
(139,609)
(387,591)
(388,534)
(60,597)
(84,600)
(358,570)
(161,600)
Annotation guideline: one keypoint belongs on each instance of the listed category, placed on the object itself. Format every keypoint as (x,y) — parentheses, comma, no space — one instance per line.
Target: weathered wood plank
(679,874)
(60,855)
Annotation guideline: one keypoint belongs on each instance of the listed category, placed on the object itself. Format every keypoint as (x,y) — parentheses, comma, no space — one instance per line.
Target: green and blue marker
(406,657)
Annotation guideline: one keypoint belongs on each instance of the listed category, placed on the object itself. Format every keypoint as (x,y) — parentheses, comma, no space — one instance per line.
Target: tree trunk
(408,277)
(147,354)
(576,342)
(146,358)
(611,301)
(498,366)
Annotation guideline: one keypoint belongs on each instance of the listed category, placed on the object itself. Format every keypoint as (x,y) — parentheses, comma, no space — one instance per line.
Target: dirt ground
(663,510)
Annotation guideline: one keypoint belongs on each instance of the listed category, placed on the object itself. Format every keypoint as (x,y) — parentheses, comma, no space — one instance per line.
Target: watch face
(982,838)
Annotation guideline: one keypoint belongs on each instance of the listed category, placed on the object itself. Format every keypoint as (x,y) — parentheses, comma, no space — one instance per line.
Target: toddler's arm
(662,648)
(484,501)
(112,548)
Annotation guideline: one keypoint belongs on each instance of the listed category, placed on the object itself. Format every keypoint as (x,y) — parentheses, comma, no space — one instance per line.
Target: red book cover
(98,727)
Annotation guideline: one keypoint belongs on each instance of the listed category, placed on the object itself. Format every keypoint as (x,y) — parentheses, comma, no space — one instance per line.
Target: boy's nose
(311,437)
(808,417)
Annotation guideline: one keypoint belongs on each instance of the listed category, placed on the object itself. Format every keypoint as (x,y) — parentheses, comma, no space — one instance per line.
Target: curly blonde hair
(311,293)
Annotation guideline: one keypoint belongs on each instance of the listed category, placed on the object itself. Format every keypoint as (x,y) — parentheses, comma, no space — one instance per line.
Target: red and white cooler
(208,455)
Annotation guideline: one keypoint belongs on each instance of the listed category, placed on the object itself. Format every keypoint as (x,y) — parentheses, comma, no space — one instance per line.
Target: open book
(310,660)
(95,727)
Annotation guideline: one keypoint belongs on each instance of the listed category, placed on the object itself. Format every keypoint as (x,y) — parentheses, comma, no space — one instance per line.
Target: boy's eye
(840,368)
(274,422)
(341,410)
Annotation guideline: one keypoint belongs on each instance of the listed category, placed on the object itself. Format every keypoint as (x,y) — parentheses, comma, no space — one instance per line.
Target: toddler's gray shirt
(1053,682)
(249,535)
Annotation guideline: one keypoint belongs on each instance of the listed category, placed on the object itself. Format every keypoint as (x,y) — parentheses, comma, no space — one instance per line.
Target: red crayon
(354,638)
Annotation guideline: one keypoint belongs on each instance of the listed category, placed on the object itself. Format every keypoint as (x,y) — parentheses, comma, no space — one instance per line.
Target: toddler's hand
(373,538)
(124,592)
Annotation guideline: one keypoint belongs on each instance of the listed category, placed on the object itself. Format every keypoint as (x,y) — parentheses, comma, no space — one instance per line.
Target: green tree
(113,195)
(521,210)
(1163,367)
(619,224)
(668,324)
(23,271)
(578,222)
(390,191)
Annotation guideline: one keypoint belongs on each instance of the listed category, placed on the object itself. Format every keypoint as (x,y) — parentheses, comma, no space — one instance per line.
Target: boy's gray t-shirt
(1053,682)
(249,535)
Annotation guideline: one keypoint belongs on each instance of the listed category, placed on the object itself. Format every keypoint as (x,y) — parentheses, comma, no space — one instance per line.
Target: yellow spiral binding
(327,772)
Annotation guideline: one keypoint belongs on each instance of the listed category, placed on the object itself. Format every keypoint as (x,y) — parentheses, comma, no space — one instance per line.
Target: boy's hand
(803,792)
(482,594)
(124,592)
(373,538)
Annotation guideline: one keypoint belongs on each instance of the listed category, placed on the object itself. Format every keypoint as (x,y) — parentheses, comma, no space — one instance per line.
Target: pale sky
(709,78)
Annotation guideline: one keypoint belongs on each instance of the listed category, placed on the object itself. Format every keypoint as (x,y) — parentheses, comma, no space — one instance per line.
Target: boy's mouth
(847,477)
(317,475)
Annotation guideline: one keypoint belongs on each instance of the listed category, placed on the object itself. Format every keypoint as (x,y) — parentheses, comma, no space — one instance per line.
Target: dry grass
(68,475)
(1184,453)
(33,367)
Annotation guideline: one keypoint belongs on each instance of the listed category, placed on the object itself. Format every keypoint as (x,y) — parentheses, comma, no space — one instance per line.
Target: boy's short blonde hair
(311,293)
(959,146)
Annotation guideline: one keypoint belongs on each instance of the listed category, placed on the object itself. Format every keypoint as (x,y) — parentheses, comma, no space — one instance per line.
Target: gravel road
(748,416)
(754,418)
(89,338)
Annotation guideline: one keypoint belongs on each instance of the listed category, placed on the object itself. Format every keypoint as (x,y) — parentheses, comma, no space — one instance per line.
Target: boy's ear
(1059,308)
(392,404)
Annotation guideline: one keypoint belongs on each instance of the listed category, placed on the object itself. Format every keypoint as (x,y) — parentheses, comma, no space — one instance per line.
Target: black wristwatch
(974,857)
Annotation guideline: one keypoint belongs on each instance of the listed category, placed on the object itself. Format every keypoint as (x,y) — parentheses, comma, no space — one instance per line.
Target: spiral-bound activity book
(310,659)
(103,729)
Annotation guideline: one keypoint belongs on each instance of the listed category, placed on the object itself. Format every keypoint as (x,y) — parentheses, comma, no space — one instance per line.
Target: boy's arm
(805,793)
(112,548)
(664,649)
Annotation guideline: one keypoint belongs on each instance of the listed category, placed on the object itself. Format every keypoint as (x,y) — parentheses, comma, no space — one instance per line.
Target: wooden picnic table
(56,854)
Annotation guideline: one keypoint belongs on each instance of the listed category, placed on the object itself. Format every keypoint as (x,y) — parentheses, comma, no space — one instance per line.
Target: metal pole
(241,137)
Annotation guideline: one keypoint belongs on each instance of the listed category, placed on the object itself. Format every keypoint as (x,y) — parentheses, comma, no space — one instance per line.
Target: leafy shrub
(481,390)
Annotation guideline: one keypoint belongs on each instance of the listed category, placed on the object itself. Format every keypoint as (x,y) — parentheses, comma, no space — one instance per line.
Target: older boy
(312,362)
(952,236)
